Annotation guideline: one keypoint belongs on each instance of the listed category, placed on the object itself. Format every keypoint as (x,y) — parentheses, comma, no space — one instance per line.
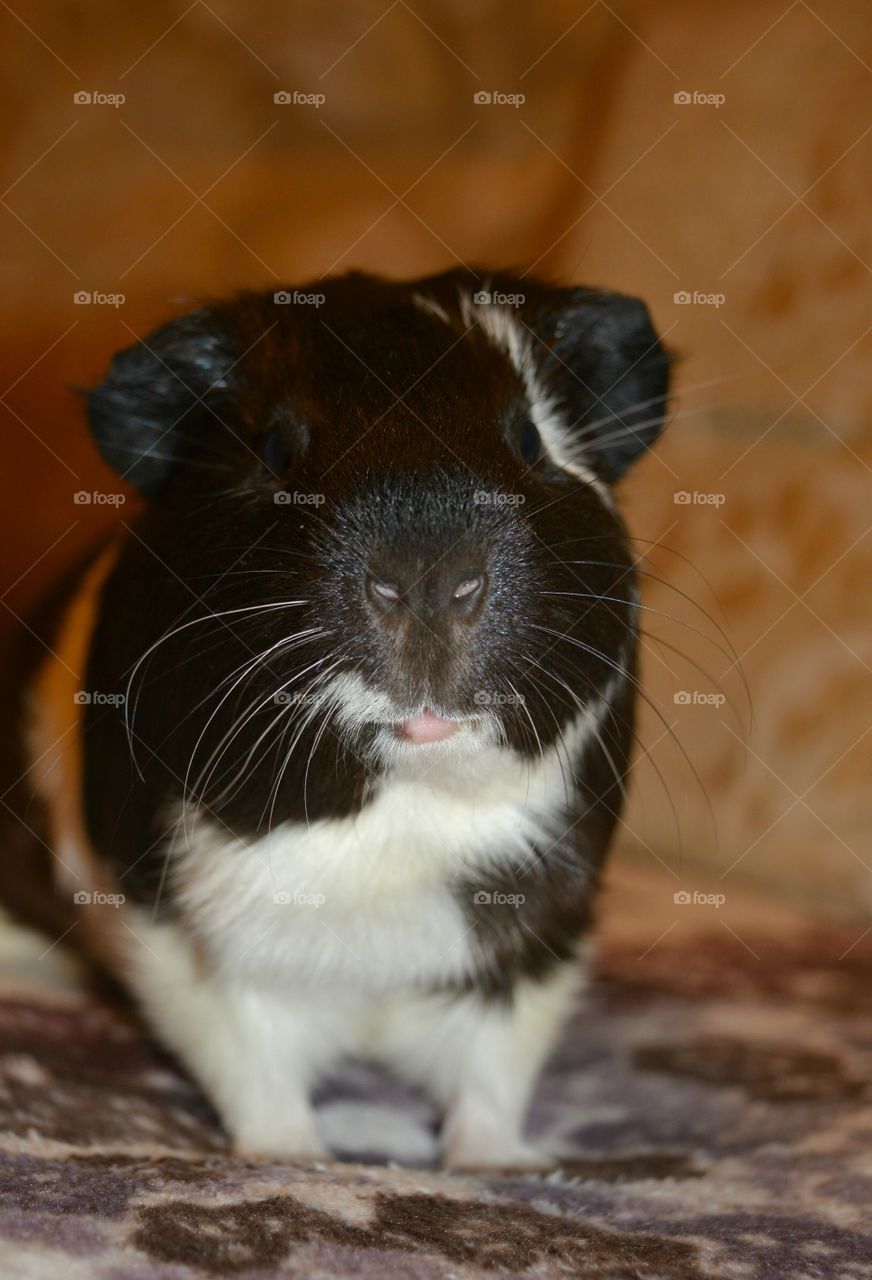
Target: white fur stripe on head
(432,308)
(504,327)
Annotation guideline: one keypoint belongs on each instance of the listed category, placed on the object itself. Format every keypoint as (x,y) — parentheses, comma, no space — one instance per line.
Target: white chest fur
(368,900)
(316,937)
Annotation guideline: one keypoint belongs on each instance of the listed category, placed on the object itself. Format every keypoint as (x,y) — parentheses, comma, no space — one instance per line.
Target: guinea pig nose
(384,595)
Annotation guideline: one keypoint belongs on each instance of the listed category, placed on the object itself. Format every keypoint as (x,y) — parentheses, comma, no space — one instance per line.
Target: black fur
(165,391)
(395,421)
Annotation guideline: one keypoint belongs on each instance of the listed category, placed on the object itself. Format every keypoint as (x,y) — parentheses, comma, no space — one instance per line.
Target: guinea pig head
(399,497)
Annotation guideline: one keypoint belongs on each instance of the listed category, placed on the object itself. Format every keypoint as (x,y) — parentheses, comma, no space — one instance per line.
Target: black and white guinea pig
(338,728)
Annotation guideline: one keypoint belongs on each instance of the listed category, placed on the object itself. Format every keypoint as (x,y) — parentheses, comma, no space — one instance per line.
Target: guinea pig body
(358,688)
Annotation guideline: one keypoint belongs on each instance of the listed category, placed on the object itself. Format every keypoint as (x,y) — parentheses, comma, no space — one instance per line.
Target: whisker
(204,779)
(653,543)
(627,675)
(307,719)
(174,631)
(591,427)
(331,711)
(697,666)
(728,651)
(566,763)
(621,780)
(635,604)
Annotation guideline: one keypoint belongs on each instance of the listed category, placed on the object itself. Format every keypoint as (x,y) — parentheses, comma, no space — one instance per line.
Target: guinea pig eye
(530,444)
(275,451)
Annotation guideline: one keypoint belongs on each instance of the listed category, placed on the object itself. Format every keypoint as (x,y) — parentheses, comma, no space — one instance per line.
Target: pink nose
(426,727)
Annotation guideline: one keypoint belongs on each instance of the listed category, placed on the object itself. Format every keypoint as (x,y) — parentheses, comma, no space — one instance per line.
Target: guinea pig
(337,729)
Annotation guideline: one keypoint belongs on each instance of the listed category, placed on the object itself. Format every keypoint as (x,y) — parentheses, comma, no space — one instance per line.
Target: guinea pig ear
(601,373)
(146,416)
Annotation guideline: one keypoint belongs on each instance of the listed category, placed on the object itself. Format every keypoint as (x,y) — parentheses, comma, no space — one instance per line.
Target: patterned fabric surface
(711,1106)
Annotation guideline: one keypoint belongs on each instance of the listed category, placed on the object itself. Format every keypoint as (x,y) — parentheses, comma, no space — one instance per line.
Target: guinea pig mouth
(426,727)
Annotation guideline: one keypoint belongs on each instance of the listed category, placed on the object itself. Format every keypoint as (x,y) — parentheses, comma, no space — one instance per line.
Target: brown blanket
(711,1108)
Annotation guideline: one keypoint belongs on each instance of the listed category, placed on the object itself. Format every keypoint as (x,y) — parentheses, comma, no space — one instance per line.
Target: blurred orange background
(713,159)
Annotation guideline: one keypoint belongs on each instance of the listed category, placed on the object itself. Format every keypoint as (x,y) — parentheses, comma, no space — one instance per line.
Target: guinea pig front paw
(470,1146)
(512,1155)
(295,1141)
